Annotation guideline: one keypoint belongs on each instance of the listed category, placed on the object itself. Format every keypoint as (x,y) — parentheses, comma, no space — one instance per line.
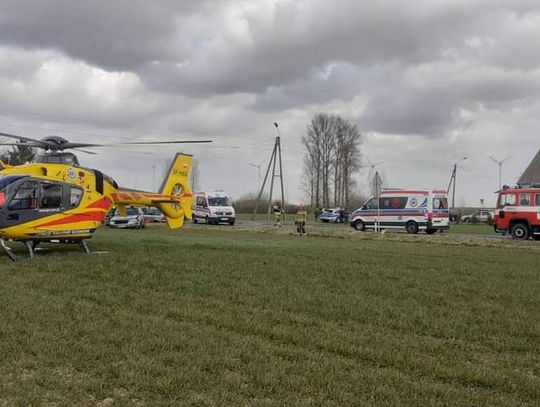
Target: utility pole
(500,164)
(274,158)
(377,181)
(453,183)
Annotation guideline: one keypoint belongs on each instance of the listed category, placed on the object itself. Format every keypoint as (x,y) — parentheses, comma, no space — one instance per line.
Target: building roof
(531,175)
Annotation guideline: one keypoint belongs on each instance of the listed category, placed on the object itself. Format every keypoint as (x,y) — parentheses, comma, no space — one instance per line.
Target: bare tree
(332,158)
(18,155)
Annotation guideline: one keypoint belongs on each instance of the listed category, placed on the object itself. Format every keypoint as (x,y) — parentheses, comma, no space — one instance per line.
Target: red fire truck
(518,212)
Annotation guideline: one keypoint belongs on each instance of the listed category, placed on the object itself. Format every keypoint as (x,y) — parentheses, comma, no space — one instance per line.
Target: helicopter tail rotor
(176,185)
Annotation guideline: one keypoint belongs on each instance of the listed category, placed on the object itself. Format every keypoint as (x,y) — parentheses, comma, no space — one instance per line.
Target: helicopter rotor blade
(135,143)
(26,139)
(85,151)
(23,144)
(150,143)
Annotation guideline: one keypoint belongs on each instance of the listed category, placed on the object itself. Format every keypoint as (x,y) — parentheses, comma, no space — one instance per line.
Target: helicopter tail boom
(174,199)
(176,185)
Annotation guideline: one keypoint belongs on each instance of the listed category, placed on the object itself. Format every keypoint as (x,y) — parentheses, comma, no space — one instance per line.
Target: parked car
(153,215)
(480,216)
(336,215)
(133,220)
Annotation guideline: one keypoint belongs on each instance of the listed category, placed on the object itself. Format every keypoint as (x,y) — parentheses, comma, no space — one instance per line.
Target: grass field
(223,316)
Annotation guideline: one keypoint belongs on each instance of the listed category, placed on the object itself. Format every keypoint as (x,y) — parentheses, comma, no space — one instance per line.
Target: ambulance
(412,210)
(212,208)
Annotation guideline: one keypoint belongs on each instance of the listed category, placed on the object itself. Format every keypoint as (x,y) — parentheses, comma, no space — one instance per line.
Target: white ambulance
(412,210)
(212,207)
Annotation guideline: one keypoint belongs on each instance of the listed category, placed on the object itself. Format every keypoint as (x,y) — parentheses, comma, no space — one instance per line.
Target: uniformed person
(300,220)
(276,209)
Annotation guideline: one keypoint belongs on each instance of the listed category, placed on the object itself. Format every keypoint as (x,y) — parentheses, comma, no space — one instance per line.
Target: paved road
(321,227)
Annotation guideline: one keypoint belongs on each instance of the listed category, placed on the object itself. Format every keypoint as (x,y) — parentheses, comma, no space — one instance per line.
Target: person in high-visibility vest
(300,220)
(276,209)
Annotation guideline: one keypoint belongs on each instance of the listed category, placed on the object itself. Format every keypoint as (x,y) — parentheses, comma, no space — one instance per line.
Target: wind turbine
(258,166)
(500,163)
(371,169)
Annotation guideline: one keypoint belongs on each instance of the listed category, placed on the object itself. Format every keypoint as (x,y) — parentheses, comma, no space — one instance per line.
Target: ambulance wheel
(520,231)
(359,225)
(411,227)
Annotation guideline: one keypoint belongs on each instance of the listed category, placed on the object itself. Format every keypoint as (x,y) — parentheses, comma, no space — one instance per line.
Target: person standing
(317,213)
(300,220)
(276,209)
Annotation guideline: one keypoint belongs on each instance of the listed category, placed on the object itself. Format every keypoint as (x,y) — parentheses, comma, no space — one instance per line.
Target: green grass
(220,316)
(470,229)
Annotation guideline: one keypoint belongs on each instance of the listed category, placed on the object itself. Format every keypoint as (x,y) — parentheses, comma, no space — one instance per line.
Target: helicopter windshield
(5,181)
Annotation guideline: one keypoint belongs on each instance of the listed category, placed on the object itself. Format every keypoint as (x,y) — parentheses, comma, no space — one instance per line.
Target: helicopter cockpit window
(51,195)
(26,196)
(75,197)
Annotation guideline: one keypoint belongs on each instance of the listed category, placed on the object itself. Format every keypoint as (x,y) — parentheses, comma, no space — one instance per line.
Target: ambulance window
(75,197)
(537,199)
(201,201)
(371,204)
(51,195)
(393,202)
(440,203)
(386,203)
(26,196)
(219,201)
(524,199)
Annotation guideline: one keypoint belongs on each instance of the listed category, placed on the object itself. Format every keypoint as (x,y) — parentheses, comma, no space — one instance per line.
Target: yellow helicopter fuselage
(67,203)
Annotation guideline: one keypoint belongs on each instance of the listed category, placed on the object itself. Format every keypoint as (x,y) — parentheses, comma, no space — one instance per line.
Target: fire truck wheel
(520,231)
(412,227)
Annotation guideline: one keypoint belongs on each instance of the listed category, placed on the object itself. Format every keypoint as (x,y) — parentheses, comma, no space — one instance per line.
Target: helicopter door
(51,196)
(23,206)
(26,197)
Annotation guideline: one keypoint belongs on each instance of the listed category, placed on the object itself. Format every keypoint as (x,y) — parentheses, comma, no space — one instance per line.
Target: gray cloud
(440,71)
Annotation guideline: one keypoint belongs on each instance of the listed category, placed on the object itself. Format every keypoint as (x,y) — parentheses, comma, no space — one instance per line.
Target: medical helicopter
(55,199)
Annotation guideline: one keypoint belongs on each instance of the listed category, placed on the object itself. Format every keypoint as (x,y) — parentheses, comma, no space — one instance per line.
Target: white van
(213,207)
(412,210)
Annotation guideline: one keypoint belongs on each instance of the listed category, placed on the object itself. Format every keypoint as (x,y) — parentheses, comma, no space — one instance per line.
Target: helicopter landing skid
(8,252)
(85,247)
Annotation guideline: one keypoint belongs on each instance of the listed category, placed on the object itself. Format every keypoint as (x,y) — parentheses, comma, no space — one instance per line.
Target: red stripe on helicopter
(82,217)
(104,203)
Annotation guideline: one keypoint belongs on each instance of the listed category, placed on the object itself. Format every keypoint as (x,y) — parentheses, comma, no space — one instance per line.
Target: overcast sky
(428,82)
